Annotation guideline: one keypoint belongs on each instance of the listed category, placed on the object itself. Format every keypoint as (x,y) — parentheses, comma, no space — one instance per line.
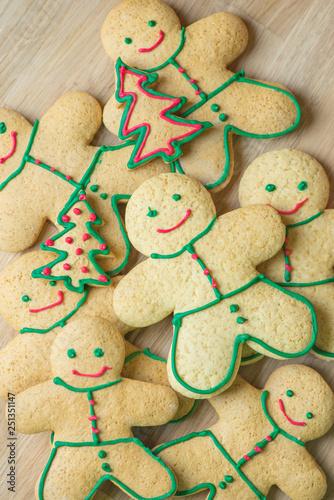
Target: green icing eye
(3,128)
(289,394)
(128,41)
(98,353)
(309,415)
(152,213)
(270,187)
(52,283)
(152,23)
(302,186)
(176,197)
(71,353)
(26,298)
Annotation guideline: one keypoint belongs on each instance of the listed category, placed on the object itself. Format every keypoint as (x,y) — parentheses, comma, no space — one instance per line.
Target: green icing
(289,393)
(128,40)
(98,353)
(176,197)
(270,187)
(3,127)
(71,353)
(152,23)
(52,283)
(102,454)
(222,485)
(234,308)
(223,117)
(26,298)
(152,213)
(302,186)
(309,415)
(241,320)
(104,196)
(228,479)
(94,188)
(106,467)
(215,107)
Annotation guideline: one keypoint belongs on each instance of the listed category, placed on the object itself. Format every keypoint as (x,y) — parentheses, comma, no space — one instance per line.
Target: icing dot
(84,269)
(71,353)
(286,240)
(268,438)
(79,251)
(222,485)
(103,278)
(98,353)
(103,246)
(246,457)
(94,188)
(197,92)
(106,467)
(152,23)
(302,186)
(66,266)
(104,196)
(181,70)
(92,217)
(288,268)
(92,402)
(241,320)
(52,283)
(213,284)
(287,252)
(151,213)
(257,449)
(228,479)
(192,80)
(37,162)
(68,177)
(95,430)
(289,393)
(234,308)
(215,107)
(102,454)
(65,218)
(3,128)
(194,256)
(128,40)
(26,298)
(53,169)
(85,236)
(49,243)
(46,271)
(176,197)
(69,240)
(77,211)
(82,197)
(309,415)
(206,271)
(270,187)
(223,117)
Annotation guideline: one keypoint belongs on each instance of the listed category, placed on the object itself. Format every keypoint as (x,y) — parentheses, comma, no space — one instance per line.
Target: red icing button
(84,269)
(52,169)
(257,449)
(46,271)
(246,457)
(268,438)
(92,217)
(194,256)
(66,267)
(77,211)
(206,271)
(85,237)
(93,417)
(103,246)
(79,251)
(92,402)
(192,80)
(49,243)
(68,177)
(288,268)
(198,92)
(65,218)
(69,240)
(82,197)
(95,430)
(286,240)
(37,162)
(287,252)
(103,278)
(181,70)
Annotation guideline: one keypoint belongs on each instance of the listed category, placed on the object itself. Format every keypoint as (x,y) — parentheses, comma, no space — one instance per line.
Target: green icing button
(106,467)
(94,188)
(102,454)
(223,117)
(234,308)
(3,128)
(241,320)
(26,298)
(215,107)
(222,485)
(228,479)
(309,415)
(104,196)
(289,393)
(52,283)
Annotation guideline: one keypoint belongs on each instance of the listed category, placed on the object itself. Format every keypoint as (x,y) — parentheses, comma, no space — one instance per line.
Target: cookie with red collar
(151,48)
(258,441)
(91,409)
(297,186)
(203,269)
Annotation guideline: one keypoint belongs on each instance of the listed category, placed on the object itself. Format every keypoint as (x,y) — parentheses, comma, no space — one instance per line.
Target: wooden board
(49,47)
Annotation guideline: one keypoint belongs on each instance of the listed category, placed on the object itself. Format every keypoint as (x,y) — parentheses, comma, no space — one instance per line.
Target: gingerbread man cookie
(190,62)
(25,361)
(203,269)
(258,441)
(91,409)
(52,172)
(296,185)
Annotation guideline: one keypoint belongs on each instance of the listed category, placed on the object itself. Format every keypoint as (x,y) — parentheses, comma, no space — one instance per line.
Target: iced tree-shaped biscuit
(192,62)
(91,410)
(25,361)
(203,269)
(258,441)
(296,185)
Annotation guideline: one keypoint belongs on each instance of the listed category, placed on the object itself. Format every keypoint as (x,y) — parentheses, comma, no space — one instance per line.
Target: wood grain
(49,47)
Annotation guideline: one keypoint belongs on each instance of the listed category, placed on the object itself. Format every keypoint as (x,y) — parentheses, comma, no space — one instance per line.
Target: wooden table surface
(50,47)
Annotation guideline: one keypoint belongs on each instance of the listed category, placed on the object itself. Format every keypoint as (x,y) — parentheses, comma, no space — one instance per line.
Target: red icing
(85,237)
(49,243)
(84,269)
(69,240)
(92,217)
(68,177)
(194,256)
(246,457)
(98,374)
(52,169)
(206,272)
(257,449)
(102,278)
(181,70)
(289,212)
(268,438)
(214,285)
(161,37)
(37,162)
(82,197)
(192,80)
(61,298)
(287,252)
(92,402)
(2,160)
(66,266)
(79,251)
(280,402)
(288,268)
(286,240)
(94,417)
(77,211)
(65,218)
(103,246)
(46,271)
(177,225)
(197,92)
(95,430)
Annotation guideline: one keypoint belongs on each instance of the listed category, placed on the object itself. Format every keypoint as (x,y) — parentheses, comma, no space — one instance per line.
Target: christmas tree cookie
(258,441)
(296,185)
(203,269)
(25,361)
(148,45)
(91,409)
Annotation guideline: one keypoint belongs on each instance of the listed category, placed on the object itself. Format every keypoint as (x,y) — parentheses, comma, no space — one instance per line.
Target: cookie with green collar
(297,186)
(258,441)
(91,409)
(203,269)
(150,48)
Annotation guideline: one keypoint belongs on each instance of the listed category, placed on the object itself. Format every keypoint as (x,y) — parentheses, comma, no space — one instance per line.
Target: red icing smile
(61,298)
(101,372)
(290,211)
(177,225)
(2,160)
(161,37)
(288,418)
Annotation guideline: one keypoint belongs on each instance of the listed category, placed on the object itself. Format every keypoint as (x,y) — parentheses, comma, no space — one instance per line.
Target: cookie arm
(145,295)
(149,404)
(34,408)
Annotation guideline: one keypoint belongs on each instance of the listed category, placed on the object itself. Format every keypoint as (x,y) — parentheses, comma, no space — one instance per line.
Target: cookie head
(300,402)
(166,212)
(143,33)
(88,353)
(291,181)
